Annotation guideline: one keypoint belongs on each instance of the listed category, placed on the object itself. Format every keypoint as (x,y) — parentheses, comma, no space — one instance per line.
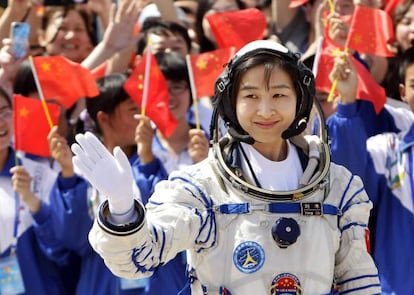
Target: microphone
(242,137)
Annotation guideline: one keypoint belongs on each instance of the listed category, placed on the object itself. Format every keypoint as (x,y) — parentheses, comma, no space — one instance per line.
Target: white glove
(110,175)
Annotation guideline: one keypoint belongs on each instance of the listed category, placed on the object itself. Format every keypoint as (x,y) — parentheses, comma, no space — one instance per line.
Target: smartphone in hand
(20,32)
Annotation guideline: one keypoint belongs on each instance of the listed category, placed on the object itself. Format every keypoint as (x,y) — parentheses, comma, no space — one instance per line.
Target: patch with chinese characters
(285,284)
(248,257)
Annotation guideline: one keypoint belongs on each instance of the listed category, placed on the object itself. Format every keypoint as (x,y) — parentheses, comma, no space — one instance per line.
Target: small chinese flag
(370,31)
(157,104)
(367,89)
(64,80)
(207,67)
(31,126)
(325,61)
(237,28)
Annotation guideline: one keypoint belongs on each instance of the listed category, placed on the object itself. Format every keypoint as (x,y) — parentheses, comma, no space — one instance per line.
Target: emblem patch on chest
(285,284)
(248,257)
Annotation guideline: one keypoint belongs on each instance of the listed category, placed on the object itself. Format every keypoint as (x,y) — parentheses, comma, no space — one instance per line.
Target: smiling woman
(24,193)
(266,106)
(67,31)
(265,212)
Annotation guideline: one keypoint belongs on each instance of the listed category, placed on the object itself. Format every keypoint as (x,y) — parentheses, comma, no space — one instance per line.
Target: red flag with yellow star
(31,126)
(237,28)
(206,68)
(325,61)
(370,31)
(64,80)
(157,104)
(367,89)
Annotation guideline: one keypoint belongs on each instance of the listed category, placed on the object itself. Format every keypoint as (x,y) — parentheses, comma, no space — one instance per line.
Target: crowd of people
(250,193)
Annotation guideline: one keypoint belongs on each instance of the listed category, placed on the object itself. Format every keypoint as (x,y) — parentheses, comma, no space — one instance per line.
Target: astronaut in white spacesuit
(265,213)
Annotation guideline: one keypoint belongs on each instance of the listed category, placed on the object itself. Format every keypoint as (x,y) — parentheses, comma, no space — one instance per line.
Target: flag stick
(146,79)
(332,90)
(331,6)
(335,82)
(333,87)
(193,90)
(318,52)
(39,90)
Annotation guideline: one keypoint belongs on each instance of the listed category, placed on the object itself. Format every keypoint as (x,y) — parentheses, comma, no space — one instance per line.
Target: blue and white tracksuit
(342,129)
(40,275)
(72,209)
(385,163)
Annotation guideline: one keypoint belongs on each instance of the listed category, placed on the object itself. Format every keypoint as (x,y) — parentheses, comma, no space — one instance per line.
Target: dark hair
(203,7)
(24,82)
(155,25)
(111,94)
(174,67)
(270,62)
(406,60)
(400,11)
(86,17)
(4,94)
(262,4)
(270,55)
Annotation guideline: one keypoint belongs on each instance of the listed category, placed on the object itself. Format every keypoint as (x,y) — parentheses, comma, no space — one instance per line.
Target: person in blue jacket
(385,163)
(24,193)
(73,201)
(188,144)
(115,118)
(265,213)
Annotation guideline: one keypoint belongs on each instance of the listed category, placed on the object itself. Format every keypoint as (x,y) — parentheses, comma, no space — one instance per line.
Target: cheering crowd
(140,84)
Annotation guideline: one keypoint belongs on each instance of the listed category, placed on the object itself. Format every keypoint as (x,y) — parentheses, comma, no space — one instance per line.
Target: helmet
(315,176)
(225,92)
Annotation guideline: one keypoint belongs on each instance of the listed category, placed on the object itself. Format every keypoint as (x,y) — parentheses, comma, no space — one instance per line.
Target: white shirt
(273,175)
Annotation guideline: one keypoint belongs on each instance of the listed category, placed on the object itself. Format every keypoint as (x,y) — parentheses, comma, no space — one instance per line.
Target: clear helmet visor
(313,141)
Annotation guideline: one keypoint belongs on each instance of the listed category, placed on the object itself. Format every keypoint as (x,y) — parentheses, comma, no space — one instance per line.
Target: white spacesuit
(236,250)
(241,238)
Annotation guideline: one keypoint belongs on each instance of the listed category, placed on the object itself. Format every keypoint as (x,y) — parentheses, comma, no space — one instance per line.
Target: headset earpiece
(224,92)
(224,108)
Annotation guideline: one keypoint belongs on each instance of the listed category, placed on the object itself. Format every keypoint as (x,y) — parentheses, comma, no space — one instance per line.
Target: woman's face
(179,97)
(407,89)
(328,107)
(219,6)
(122,124)
(168,43)
(404,31)
(67,36)
(266,108)
(6,123)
